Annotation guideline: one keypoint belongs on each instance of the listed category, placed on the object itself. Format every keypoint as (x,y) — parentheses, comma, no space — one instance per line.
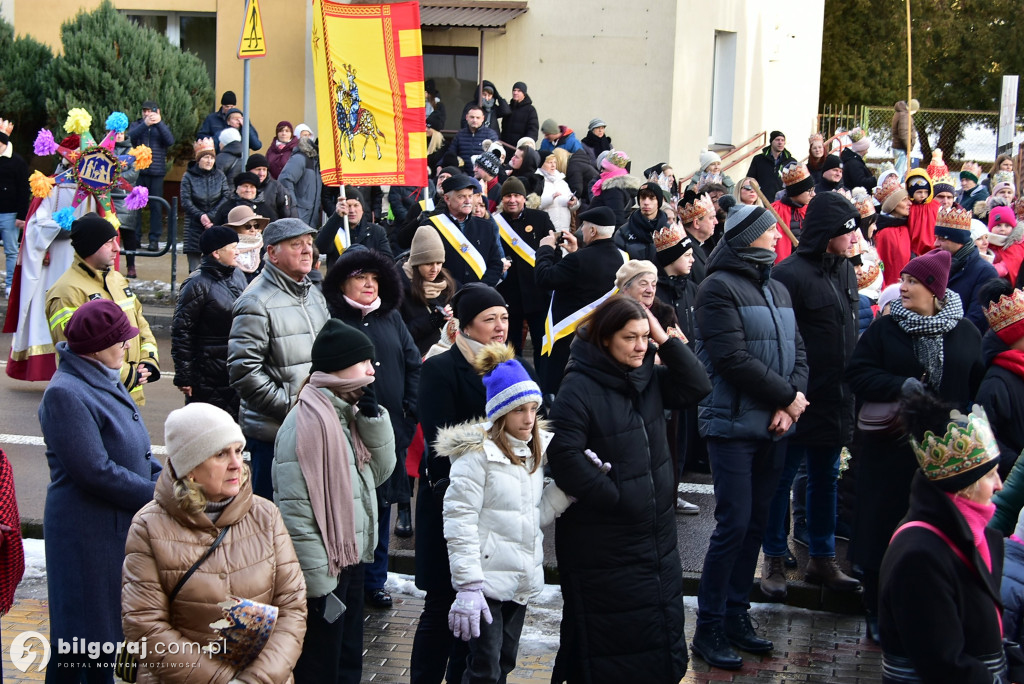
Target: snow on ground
(35,559)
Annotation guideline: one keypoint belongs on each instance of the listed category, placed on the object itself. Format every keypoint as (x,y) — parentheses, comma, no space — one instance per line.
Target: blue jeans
(900,161)
(745,474)
(9,234)
(822,478)
(262,461)
(377,571)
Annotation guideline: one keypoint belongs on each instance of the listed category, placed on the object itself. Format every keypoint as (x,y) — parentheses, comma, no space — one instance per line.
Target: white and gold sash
(567,326)
(457,239)
(512,239)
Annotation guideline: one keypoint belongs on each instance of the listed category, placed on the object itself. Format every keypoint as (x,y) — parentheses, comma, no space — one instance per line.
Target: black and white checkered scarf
(927,333)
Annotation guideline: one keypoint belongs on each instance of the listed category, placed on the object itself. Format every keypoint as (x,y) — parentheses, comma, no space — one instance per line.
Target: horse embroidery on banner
(354,119)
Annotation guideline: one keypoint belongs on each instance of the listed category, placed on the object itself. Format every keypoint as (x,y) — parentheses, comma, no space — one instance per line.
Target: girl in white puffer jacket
(494,509)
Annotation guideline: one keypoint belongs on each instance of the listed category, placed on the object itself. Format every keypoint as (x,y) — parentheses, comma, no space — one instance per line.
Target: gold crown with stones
(862,200)
(944,179)
(202,146)
(954,217)
(794,173)
(669,236)
(1009,309)
(698,209)
(891,185)
(967,444)
(868,276)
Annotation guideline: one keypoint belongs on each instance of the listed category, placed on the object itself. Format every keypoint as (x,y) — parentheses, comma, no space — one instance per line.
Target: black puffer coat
(202,192)
(680,292)
(396,359)
(855,171)
(200,330)
(823,288)
(617,545)
(520,122)
(636,235)
(580,174)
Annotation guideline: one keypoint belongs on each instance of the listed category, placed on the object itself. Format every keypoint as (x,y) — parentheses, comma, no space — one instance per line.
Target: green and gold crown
(967,444)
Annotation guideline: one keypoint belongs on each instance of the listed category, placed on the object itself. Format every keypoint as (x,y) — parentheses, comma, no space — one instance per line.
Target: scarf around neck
(977,516)
(431,290)
(927,333)
(1012,360)
(325,454)
(469,348)
(363,308)
(610,171)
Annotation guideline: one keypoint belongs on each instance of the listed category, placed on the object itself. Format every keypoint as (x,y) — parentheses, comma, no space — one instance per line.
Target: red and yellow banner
(368,66)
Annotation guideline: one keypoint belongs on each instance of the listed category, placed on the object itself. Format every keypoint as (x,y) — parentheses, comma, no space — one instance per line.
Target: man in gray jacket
(273,327)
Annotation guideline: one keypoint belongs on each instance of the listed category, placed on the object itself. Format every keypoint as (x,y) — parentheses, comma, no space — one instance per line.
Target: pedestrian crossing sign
(252,42)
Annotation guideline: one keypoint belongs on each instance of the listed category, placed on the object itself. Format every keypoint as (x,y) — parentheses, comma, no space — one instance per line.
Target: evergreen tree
(25,60)
(111,64)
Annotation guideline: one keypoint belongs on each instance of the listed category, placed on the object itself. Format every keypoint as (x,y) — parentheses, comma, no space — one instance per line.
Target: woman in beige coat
(206,489)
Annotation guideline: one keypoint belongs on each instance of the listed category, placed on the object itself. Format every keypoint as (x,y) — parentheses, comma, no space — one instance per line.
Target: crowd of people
(539,335)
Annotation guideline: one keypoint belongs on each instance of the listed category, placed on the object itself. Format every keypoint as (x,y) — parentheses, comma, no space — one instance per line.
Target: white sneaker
(684,507)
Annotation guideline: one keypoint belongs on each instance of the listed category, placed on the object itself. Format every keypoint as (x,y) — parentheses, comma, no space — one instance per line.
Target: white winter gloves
(464,616)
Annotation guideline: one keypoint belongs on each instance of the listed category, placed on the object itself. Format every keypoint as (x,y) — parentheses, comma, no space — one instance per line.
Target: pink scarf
(363,308)
(610,171)
(977,516)
(323,451)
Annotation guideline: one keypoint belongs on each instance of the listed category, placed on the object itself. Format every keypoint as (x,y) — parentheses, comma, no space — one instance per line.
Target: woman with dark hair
(363,289)
(617,545)
(816,156)
(925,338)
(940,604)
(429,288)
(524,164)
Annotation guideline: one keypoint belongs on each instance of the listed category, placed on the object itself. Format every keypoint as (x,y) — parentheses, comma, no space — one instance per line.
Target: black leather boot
(740,633)
(403,526)
(711,644)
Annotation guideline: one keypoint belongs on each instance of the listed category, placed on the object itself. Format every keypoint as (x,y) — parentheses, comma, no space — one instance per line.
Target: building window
(190,31)
(454,71)
(723,86)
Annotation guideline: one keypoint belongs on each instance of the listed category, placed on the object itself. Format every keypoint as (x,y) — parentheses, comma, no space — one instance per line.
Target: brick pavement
(811,646)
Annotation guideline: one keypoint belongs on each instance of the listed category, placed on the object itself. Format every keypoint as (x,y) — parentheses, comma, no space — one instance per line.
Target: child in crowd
(979,233)
(923,212)
(1005,240)
(494,509)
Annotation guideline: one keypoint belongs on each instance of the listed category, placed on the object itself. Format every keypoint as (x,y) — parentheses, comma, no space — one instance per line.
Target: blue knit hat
(507,383)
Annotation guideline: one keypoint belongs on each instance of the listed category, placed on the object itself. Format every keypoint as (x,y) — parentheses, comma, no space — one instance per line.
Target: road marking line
(32,440)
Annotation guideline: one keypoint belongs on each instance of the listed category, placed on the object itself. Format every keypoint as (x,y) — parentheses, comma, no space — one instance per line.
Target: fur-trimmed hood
(356,258)
(307,147)
(459,440)
(631,183)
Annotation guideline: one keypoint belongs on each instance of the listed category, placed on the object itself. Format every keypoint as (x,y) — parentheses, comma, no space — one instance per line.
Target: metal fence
(962,135)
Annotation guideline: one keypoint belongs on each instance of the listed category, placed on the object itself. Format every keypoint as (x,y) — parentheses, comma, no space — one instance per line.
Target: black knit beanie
(339,346)
(89,232)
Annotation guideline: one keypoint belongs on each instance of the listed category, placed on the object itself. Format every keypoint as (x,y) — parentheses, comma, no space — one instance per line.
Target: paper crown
(203,146)
(867,276)
(862,200)
(857,134)
(815,137)
(887,188)
(244,629)
(954,218)
(1000,177)
(696,210)
(706,179)
(944,179)
(967,444)
(794,173)
(618,158)
(972,167)
(669,236)
(1006,316)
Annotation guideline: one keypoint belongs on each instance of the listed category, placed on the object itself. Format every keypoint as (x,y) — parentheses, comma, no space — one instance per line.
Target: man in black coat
(766,167)
(823,287)
(970,271)
(360,230)
(471,251)
(636,235)
(582,278)
(749,342)
(521,120)
(276,200)
(521,230)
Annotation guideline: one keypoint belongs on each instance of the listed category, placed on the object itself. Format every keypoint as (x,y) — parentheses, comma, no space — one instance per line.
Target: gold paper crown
(972,167)
(967,444)
(1002,177)
(868,276)
(794,173)
(1009,309)
(889,186)
(698,209)
(945,179)
(202,146)
(815,137)
(955,218)
(862,200)
(669,236)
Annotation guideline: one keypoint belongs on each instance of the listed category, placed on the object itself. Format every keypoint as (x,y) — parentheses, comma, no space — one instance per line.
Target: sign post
(251,43)
(1007,115)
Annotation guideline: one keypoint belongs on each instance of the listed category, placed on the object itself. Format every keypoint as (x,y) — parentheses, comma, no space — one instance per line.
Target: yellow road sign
(252,42)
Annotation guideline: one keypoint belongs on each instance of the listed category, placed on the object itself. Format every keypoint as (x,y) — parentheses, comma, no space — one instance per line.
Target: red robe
(1008,260)
(784,247)
(892,242)
(922,227)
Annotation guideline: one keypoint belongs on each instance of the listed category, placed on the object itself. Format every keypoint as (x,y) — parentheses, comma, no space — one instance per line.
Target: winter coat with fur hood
(255,560)
(494,511)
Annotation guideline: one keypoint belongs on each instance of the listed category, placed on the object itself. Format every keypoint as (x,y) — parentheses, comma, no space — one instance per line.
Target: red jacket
(784,247)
